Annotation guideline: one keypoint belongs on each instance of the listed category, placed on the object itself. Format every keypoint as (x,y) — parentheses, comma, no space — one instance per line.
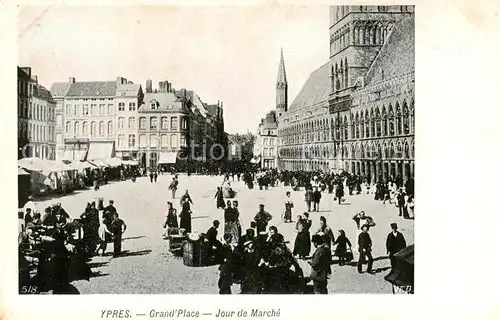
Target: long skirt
(302,245)
(186,221)
(231,227)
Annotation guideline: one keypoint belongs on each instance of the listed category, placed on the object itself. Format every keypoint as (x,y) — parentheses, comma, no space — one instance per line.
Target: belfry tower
(281,89)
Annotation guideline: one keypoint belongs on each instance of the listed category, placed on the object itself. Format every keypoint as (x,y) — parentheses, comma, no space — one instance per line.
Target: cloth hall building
(356,112)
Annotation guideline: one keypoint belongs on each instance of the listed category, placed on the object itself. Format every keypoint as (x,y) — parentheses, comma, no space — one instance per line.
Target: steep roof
(281,70)
(42,93)
(163,98)
(315,90)
(92,89)
(198,104)
(130,89)
(212,109)
(397,55)
(23,75)
(59,89)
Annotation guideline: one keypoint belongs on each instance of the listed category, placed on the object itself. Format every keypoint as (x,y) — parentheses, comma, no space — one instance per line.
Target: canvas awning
(255,160)
(130,162)
(57,166)
(21,172)
(67,155)
(168,158)
(79,165)
(98,163)
(100,150)
(80,155)
(32,164)
(113,162)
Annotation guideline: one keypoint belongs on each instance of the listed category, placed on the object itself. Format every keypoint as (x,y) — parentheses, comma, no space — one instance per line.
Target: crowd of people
(54,249)
(257,257)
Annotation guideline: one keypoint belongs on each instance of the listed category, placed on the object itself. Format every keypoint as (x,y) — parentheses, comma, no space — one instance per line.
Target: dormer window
(124,94)
(154,105)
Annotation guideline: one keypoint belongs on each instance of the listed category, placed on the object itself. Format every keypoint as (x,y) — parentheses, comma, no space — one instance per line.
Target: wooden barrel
(192,253)
(175,244)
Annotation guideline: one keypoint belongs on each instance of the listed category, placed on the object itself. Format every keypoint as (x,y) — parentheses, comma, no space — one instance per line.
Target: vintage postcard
(201,151)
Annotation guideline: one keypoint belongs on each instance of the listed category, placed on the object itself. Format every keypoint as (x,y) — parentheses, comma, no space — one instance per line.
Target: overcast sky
(223,53)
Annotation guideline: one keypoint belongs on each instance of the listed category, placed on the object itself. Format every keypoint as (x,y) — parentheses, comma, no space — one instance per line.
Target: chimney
(71,80)
(35,78)
(130,82)
(124,81)
(149,86)
(169,87)
(27,70)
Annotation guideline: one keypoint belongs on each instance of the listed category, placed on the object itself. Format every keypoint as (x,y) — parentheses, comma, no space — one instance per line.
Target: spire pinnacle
(281,70)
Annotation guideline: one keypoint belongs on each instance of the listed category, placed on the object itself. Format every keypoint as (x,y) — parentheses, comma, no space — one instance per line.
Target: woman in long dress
(287,213)
(171,221)
(341,251)
(220,199)
(231,222)
(186,217)
(302,246)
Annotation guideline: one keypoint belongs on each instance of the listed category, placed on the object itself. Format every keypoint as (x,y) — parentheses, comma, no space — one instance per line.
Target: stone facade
(365,124)
(177,128)
(266,142)
(36,118)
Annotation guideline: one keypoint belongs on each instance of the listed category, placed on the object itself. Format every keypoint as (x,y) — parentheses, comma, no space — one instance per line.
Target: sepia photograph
(216,150)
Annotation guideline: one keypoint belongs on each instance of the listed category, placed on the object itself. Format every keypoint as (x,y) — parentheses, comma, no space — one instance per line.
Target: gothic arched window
(398,119)
(399,150)
(407,150)
(391,121)
(346,127)
(406,119)
(378,119)
(384,121)
(346,72)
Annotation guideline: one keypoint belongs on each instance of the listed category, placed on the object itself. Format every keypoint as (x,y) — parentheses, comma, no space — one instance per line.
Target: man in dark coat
(394,243)
(111,207)
(316,199)
(212,235)
(365,249)
(401,203)
(261,219)
(118,227)
(320,265)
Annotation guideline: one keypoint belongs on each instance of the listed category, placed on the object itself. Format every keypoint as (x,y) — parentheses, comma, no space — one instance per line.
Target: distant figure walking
(220,199)
(173,186)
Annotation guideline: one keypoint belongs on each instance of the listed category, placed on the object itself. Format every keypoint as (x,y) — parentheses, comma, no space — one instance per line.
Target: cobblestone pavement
(147,267)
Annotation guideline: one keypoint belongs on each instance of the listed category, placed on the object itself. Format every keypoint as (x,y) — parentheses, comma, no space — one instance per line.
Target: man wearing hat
(395,242)
(365,249)
(261,219)
(320,265)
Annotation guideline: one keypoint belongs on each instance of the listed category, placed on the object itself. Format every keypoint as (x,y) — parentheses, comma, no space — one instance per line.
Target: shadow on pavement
(354,262)
(200,217)
(378,270)
(98,274)
(133,238)
(127,253)
(98,264)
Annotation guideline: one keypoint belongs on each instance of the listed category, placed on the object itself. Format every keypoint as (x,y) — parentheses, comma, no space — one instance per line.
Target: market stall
(402,275)
(23,187)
